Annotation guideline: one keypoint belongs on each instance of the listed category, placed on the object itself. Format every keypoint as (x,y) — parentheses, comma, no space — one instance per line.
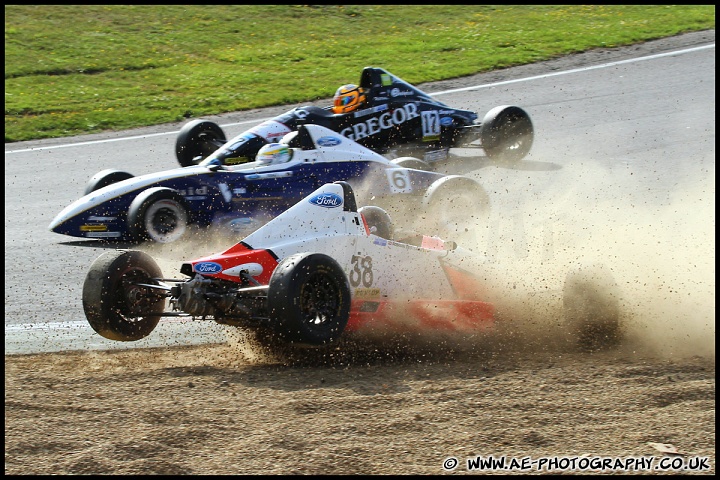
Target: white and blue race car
(160,207)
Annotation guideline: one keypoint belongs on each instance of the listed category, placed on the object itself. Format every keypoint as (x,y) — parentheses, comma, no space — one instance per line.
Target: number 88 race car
(309,276)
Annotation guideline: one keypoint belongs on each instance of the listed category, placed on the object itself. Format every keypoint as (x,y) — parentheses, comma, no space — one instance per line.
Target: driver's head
(273,153)
(378,221)
(348,98)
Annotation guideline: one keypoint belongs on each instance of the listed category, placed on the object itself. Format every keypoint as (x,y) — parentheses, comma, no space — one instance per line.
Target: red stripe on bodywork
(239,254)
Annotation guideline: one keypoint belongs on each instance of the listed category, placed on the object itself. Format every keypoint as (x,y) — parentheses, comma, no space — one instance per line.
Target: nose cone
(62,223)
(85,218)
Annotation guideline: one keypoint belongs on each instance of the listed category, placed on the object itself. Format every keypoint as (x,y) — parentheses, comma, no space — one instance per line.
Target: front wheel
(158,214)
(309,299)
(591,308)
(197,140)
(455,207)
(506,134)
(116,303)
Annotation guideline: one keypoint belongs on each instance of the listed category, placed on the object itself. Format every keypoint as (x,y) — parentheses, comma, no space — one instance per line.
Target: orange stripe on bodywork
(421,315)
(465,284)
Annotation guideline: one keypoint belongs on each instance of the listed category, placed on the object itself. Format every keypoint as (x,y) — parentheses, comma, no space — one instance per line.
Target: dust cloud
(658,243)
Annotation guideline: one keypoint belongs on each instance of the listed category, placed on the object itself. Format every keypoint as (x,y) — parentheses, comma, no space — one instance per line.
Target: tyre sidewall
(103,292)
(591,308)
(494,136)
(441,194)
(287,284)
(105,178)
(142,205)
(412,162)
(187,143)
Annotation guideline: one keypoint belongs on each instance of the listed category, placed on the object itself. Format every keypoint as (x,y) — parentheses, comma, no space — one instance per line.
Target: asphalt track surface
(633,126)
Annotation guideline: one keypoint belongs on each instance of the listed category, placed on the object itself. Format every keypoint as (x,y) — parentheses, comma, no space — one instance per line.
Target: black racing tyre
(454,205)
(309,299)
(115,304)
(412,162)
(197,140)
(158,214)
(104,178)
(506,134)
(591,308)
(378,220)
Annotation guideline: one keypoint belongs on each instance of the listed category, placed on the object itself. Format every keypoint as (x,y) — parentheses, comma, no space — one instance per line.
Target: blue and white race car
(161,207)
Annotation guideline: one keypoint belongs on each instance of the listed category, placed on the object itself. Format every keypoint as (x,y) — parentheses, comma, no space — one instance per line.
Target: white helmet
(273,153)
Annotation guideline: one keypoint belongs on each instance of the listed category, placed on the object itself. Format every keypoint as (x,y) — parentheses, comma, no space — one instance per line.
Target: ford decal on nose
(327,200)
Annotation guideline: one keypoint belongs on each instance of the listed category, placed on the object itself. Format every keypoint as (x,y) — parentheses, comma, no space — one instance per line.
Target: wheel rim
(134,300)
(166,221)
(516,131)
(320,302)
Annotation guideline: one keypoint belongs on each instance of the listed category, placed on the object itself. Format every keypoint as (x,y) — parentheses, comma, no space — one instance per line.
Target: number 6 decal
(399,180)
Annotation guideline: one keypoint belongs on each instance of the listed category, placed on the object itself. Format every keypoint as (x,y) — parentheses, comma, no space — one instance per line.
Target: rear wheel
(412,162)
(591,308)
(158,214)
(309,299)
(104,178)
(455,207)
(116,304)
(197,140)
(506,134)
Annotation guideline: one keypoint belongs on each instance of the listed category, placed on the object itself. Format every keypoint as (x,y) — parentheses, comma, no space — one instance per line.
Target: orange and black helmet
(348,98)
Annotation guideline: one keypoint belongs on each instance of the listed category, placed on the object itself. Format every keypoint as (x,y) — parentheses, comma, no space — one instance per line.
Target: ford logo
(327,200)
(208,267)
(238,225)
(446,121)
(328,141)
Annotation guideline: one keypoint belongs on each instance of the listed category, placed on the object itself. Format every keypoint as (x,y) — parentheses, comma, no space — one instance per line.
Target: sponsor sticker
(103,235)
(367,292)
(327,200)
(208,267)
(329,141)
(265,176)
(93,228)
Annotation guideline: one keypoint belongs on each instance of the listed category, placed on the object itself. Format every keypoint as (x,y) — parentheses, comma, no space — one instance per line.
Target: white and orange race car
(319,270)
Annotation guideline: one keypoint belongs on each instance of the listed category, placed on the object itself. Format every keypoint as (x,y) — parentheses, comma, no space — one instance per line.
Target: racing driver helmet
(348,98)
(273,153)
(378,221)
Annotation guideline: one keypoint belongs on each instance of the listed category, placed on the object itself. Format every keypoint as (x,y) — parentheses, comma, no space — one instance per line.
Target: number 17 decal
(431,125)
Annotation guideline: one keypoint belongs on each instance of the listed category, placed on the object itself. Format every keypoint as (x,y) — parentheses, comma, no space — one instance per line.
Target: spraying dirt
(411,404)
